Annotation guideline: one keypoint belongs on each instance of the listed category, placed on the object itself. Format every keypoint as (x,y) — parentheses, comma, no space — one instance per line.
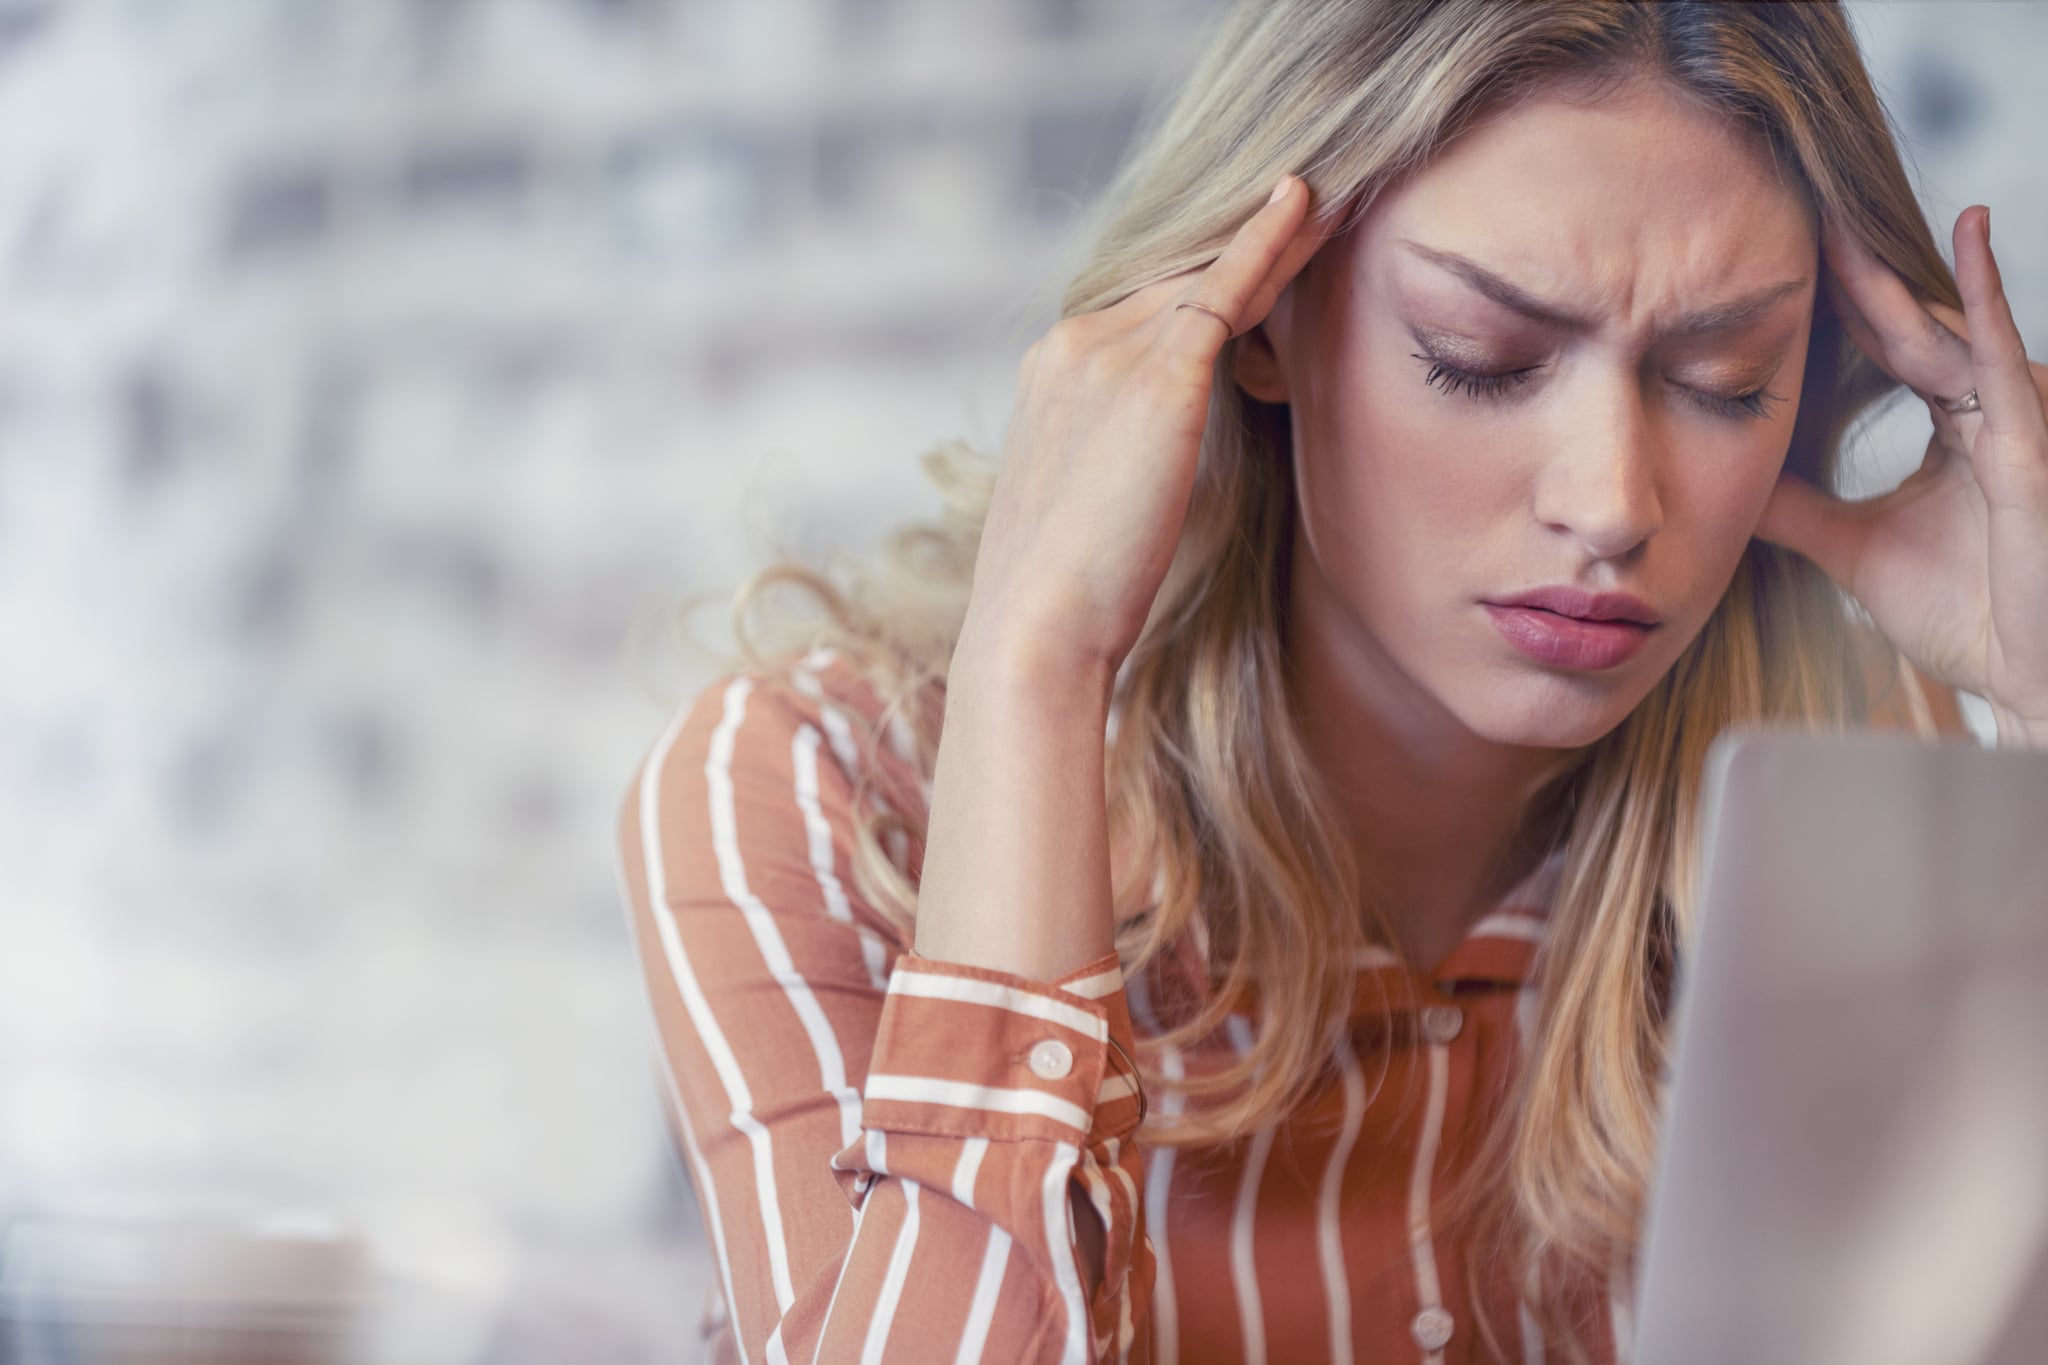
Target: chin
(1550,713)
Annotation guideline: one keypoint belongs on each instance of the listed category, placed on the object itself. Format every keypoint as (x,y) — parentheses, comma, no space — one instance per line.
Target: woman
(1329,1025)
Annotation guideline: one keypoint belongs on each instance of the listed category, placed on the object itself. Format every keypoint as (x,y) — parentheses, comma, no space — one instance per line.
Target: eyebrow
(1720,317)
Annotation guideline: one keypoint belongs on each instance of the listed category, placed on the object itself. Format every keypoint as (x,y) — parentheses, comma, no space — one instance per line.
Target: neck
(1443,822)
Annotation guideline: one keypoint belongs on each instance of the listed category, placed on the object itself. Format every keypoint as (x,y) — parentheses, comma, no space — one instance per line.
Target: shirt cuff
(972,1052)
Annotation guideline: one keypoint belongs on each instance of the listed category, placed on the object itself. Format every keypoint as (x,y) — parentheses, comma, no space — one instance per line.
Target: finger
(1308,239)
(1824,528)
(1853,323)
(1886,322)
(2000,372)
(1149,303)
(1231,283)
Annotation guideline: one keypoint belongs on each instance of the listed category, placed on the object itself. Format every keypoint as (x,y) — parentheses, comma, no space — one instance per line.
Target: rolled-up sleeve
(887,1149)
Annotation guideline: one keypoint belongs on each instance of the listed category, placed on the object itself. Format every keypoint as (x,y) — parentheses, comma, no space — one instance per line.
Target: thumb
(1818,525)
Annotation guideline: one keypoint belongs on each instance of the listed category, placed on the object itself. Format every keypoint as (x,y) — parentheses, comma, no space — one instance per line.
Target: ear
(1257,368)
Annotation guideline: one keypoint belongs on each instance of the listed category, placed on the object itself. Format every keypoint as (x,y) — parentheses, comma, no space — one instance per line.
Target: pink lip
(1586,606)
(1566,642)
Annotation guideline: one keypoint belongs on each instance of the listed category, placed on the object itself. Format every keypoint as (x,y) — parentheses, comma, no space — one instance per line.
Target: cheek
(1724,496)
(1381,440)
(1716,511)
(1393,493)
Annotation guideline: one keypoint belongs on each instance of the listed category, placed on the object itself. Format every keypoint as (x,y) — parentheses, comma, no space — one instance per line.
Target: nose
(1600,485)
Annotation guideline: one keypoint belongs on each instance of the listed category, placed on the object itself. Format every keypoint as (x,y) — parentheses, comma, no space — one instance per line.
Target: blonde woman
(1214,896)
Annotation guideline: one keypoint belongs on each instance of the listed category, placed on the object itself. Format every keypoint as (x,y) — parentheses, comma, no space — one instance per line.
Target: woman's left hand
(1952,565)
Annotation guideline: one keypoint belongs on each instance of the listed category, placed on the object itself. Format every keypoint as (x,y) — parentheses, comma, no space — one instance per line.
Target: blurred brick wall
(370,371)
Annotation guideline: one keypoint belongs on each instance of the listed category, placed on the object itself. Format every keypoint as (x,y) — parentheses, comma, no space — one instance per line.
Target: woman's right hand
(1099,462)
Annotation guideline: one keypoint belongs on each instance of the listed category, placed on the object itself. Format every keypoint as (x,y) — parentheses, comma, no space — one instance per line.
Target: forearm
(1016,865)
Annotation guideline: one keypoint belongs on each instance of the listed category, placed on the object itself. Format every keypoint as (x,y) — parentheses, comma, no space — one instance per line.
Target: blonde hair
(1207,770)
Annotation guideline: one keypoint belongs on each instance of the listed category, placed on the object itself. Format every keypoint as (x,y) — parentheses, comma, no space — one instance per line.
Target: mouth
(1590,620)
(1573,642)
(1577,604)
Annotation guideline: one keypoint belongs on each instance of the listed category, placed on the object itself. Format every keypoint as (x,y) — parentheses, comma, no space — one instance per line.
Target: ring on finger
(1227,324)
(1956,406)
(1967,403)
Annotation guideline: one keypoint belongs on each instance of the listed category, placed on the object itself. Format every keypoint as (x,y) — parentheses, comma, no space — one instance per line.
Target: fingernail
(1280,190)
(1987,225)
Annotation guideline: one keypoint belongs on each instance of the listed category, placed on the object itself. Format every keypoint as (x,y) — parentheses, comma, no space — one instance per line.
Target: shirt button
(1441,1023)
(1051,1060)
(1431,1329)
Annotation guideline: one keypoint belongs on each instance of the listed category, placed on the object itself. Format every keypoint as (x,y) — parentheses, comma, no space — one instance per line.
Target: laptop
(1854,1161)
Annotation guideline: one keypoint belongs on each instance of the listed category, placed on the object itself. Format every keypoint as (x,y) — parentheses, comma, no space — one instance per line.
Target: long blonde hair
(1207,769)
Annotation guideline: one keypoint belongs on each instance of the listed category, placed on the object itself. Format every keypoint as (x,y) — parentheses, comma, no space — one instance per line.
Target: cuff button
(1051,1060)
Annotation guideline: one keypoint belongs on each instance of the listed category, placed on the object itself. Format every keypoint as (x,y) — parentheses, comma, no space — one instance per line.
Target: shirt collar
(1499,950)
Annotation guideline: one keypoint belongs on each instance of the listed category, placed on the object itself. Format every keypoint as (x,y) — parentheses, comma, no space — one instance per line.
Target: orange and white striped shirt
(883,1145)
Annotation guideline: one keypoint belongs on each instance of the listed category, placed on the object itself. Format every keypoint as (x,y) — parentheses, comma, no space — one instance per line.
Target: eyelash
(1739,406)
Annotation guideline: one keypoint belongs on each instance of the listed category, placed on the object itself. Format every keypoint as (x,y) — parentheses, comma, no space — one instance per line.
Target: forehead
(1638,204)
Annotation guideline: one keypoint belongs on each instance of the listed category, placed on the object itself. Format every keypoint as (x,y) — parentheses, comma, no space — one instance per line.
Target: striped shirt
(883,1144)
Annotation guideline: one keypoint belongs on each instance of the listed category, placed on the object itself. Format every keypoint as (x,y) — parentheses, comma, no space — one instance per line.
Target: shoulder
(813,732)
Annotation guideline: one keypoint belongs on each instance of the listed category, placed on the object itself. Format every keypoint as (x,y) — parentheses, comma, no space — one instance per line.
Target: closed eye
(1455,380)
(1494,386)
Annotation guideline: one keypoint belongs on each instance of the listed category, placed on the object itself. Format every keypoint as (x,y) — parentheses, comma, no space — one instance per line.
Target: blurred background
(376,376)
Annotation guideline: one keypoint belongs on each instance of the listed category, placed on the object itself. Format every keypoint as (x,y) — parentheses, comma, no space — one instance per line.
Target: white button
(1441,1023)
(1431,1329)
(1051,1060)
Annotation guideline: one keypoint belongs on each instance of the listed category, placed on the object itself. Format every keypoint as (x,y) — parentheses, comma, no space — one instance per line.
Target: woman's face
(1622,434)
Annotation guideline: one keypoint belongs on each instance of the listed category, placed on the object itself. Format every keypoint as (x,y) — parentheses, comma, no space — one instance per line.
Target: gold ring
(1227,325)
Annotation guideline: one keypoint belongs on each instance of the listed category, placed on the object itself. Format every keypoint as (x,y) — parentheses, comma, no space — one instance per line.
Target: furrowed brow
(1720,317)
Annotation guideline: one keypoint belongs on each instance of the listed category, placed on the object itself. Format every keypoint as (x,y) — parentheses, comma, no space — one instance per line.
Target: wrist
(1030,668)
(1016,868)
